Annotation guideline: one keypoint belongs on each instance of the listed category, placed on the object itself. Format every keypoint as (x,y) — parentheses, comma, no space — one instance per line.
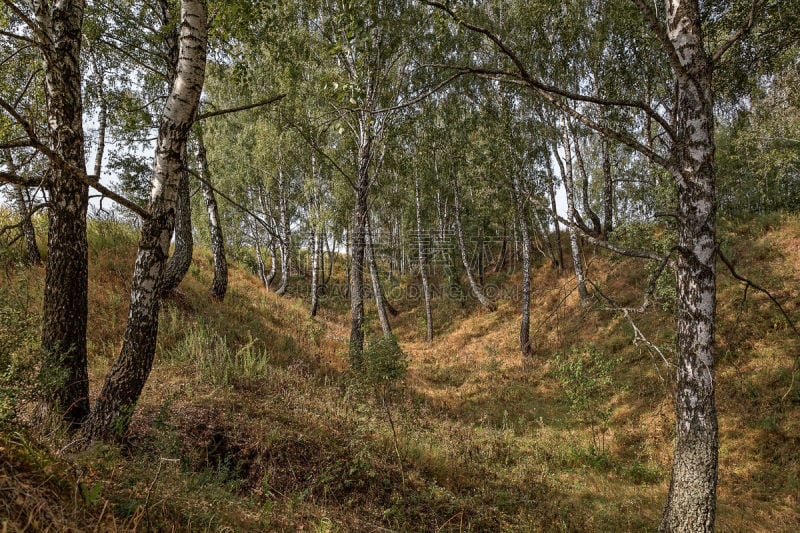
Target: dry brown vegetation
(250,421)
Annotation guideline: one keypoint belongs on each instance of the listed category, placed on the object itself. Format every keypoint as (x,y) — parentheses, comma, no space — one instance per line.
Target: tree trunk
(178,264)
(501,260)
(597,228)
(331,258)
(476,290)
(548,244)
(260,268)
(32,255)
(608,192)
(525,321)
(315,255)
(286,235)
(64,319)
(357,251)
(376,285)
(219,286)
(273,266)
(426,288)
(128,374)
(481,276)
(692,494)
(567,176)
(102,124)
(552,190)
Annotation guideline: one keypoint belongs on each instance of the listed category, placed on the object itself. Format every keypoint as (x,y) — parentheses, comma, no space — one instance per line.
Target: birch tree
(687,154)
(128,374)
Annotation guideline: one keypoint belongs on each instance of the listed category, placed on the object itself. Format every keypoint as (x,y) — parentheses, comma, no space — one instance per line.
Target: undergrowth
(250,421)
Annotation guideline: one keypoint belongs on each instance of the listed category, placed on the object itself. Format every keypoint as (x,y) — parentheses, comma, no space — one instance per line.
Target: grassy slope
(249,421)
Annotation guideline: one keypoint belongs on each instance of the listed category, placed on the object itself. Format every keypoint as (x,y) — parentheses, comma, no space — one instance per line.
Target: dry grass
(284,440)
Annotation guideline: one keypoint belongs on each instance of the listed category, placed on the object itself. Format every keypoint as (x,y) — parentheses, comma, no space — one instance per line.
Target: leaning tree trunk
(525,321)
(376,285)
(692,494)
(21,204)
(180,261)
(128,374)
(219,285)
(64,318)
(426,288)
(476,290)
(262,271)
(273,265)
(548,244)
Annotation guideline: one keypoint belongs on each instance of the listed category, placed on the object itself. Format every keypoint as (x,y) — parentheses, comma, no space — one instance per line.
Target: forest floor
(251,422)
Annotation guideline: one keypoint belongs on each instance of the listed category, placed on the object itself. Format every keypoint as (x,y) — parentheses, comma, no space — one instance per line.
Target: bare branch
(16,179)
(18,37)
(638,336)
(94,182)
(262,103)
(24,220)
(236,204)
(630,252)
(439,86)
(622,137)
(750,283)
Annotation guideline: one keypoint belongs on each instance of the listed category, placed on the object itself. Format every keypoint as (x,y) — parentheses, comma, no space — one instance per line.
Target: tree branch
(622,137)
(236,204)
(32,211)
(549,90)
(18,37)
(25,18)
(661,35)
(630,252)
(16,179)
(262,103)
(739,33)
(94,183)
(749,283)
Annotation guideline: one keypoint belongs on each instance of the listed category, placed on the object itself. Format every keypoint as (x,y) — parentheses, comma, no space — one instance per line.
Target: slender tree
(219,285)
(421,255)
(128,374)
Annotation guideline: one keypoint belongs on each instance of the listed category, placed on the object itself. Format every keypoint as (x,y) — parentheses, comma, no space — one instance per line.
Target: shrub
(21,379)
(586,378)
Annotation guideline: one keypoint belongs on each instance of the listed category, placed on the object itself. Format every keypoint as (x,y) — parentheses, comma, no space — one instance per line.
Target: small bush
(384,362)
(22,381)
(587,381)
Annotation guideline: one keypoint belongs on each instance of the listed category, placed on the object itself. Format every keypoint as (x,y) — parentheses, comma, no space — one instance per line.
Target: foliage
(384,362)
(586,376)
(22,380)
